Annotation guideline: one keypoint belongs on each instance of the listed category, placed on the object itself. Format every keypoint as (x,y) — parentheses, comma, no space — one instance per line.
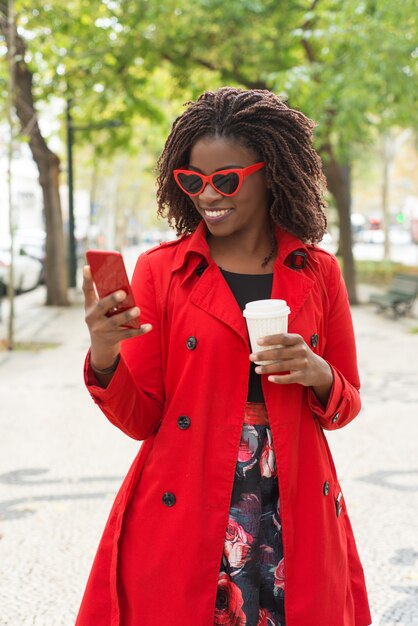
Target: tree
(349,65)
(46,161)
(68,52)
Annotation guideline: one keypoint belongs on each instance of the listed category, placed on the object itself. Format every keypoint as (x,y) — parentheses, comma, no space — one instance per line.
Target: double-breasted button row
(191,343)
(169,499)
(184,422)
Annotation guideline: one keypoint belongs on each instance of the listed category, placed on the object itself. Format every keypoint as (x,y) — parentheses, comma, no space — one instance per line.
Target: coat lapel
(213,295)
(293,286)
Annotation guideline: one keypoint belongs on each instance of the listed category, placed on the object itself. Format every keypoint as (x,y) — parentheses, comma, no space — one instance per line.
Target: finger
(136,332)
(285,379)
(121,319)
(283,360)
(281,366)
(280,353)
(110,302)
(90,297)
(270,340)
(283,339)
(299,363)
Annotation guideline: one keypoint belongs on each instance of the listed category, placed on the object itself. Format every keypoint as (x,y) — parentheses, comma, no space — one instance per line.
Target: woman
(232,512)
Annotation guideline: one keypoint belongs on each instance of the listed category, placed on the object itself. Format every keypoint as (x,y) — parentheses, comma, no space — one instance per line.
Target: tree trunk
(339,184)
(49,167)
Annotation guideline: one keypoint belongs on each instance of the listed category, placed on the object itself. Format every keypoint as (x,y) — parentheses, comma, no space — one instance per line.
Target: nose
(209,195)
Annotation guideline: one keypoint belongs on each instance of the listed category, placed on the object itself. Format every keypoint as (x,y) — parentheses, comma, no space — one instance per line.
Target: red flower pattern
(268,459)
(265,618)
(237,544)
(279,575)
(248,447)
(229,603)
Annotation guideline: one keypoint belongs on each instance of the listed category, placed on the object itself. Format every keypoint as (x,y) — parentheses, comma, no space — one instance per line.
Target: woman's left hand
(293,356)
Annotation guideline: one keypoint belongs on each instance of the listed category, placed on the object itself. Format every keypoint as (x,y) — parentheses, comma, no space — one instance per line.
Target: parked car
(397,236)
(27,270)
(32,241)
(371,235)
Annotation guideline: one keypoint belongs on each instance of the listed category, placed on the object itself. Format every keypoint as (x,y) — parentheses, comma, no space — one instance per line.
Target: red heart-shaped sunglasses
(226,182)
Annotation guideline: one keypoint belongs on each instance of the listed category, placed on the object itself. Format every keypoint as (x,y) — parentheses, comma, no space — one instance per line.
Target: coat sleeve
(340,352)
(134,399)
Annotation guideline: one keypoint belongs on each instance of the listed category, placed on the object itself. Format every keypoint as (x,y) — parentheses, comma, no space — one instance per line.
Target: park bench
(400,295)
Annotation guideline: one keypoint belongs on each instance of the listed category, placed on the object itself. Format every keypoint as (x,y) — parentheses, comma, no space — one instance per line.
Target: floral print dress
(251,578)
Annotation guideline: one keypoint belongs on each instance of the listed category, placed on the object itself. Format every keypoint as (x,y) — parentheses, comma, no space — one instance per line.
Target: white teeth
(216,213)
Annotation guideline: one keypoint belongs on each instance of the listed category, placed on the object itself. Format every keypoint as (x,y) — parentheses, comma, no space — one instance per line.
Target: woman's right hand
(106,333)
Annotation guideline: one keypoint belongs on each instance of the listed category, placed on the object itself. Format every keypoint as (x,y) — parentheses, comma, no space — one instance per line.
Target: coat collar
(214,295)
(196,243)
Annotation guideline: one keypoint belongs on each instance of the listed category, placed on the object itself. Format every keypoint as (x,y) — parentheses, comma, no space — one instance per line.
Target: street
(61,464)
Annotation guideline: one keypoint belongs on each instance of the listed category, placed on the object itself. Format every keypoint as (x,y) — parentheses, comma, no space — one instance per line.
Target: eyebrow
(219,169)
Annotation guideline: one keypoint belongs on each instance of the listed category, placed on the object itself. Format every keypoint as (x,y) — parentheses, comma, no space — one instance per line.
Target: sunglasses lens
(191,183)
(226,183)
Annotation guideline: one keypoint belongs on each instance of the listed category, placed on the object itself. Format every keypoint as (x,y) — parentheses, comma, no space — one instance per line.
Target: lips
(215,215)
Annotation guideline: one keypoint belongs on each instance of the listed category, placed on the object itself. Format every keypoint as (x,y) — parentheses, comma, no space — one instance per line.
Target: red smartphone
(109,275)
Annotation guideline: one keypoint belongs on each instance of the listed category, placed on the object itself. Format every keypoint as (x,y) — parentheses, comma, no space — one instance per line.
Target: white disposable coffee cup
(265,317)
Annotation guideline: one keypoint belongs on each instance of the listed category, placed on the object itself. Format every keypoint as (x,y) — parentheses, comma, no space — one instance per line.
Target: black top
(246,288)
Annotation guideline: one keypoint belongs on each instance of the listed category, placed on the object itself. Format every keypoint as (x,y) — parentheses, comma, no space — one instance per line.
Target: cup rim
(272,304)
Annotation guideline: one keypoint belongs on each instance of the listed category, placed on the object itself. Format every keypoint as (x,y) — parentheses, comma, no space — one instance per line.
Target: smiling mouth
(217,213)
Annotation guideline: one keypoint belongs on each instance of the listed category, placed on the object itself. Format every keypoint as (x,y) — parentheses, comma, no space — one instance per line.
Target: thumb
(90,296)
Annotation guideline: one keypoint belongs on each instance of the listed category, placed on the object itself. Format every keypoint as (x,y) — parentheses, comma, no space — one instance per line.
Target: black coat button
(314,340)
(335,418)
(169,498)
(325,488)
(191,343)
(183,422)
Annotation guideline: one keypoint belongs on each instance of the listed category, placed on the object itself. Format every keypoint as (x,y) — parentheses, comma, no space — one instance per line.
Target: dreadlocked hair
(279,135)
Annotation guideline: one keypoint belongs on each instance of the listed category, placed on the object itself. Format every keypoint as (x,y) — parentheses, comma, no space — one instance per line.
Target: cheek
(257,196)
(255,190)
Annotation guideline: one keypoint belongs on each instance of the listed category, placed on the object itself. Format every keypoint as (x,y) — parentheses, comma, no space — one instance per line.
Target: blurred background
(88,93)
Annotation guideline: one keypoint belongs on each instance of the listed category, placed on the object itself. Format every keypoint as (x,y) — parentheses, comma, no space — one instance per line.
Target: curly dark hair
(279,135)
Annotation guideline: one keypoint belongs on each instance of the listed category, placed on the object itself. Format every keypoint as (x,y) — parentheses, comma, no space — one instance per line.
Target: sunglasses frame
(242,173)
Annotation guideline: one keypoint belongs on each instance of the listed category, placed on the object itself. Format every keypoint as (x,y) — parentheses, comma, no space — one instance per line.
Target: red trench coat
(195,363)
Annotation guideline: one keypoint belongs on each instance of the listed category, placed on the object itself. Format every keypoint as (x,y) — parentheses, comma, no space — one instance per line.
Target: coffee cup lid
(266,308)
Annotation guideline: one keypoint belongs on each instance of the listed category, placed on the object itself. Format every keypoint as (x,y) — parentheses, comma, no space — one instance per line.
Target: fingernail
(120,295)
(252,357)
(134,312)
(260,342)
(258,370)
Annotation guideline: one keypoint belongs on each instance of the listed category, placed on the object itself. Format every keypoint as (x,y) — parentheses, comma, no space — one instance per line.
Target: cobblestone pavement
(61,463)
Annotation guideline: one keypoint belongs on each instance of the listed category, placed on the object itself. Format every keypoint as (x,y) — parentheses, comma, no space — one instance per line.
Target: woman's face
(242,213)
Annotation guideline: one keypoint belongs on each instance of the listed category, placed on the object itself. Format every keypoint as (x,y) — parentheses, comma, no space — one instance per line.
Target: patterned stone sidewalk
(61,464)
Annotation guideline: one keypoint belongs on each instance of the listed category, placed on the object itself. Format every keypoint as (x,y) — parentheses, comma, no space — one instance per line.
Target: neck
(237,253)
